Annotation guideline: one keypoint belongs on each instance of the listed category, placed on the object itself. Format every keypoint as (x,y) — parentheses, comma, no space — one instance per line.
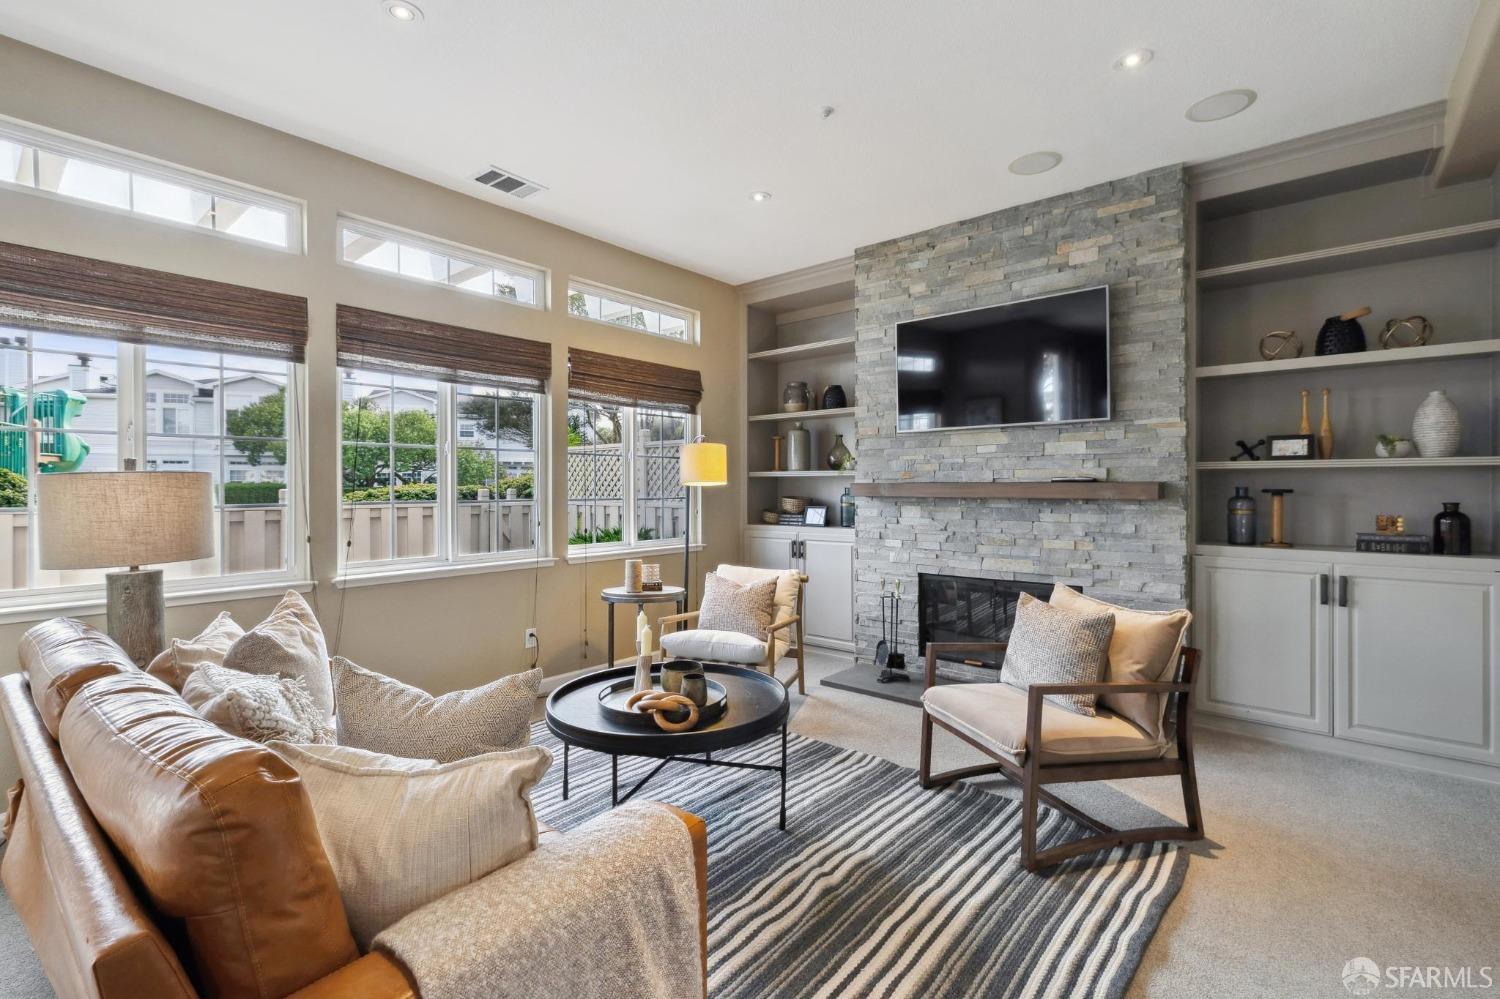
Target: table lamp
(702,463)
(98,520)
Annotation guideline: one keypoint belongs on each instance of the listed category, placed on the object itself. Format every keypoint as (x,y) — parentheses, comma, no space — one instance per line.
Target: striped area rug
(879,888)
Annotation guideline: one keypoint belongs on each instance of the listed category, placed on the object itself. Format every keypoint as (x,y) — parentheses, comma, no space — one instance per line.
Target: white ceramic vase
(1436,428)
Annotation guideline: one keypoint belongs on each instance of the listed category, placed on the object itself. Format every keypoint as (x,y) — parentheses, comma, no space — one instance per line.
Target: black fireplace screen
(964,609)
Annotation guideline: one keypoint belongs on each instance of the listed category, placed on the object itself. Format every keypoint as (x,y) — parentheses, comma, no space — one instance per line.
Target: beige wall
(440,634)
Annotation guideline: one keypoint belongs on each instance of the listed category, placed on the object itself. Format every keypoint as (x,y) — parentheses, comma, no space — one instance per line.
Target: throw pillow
(401,833)
(289,643)
(1145,646)
(384,715)
(731,606)
(1052,645)
(260,708)
(185,655)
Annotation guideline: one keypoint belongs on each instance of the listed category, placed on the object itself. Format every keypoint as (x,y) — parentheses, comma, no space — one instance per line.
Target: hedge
(426,492)
(252,492)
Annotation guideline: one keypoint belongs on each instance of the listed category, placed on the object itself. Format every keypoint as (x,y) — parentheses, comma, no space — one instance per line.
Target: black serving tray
(612,698)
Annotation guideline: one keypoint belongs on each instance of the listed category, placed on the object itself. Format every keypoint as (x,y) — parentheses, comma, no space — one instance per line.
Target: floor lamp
(98,520)
(702,463)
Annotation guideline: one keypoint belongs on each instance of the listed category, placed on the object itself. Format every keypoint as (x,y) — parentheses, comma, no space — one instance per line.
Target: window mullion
(447,473)
(627,479)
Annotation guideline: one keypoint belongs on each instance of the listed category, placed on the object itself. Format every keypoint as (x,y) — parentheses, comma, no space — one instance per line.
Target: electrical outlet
(531,638)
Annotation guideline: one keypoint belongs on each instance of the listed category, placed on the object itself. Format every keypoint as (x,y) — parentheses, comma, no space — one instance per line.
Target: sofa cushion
(219,832)
(384,715)
(261,708)
(1145,646)
(401,833)
(208,647)
(1052,645)
(705,644)
(994,715)
(747,608)
(788,581)
(289,643)
(60,656)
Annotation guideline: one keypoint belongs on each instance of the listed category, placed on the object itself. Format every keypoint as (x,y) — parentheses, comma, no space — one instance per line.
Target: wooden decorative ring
(1275,343)
(1420,328)
(656,704)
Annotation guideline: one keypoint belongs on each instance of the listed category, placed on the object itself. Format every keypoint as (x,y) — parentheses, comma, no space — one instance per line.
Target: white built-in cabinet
(1395,651)
(826,556)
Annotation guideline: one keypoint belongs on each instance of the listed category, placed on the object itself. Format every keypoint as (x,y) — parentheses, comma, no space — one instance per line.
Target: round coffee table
(757,707)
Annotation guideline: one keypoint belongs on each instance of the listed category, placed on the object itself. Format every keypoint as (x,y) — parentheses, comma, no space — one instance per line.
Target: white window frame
(137,164)
(36,603)
(689,317)
(447,561)
(540,276)
(629,543)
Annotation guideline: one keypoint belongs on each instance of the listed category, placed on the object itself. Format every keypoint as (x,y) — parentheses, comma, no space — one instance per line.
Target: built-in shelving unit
(1404,355)
(809,414)
(834,347)
(802,475)
(1317,465)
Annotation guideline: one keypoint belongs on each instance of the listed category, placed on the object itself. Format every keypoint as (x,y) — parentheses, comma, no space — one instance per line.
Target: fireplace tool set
(892,663)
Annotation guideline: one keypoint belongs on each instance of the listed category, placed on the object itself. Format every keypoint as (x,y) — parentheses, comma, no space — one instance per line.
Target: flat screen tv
(1041,360)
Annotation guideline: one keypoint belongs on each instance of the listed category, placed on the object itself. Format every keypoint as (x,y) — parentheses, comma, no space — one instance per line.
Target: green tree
(367,464)
(265,417)
(502,418)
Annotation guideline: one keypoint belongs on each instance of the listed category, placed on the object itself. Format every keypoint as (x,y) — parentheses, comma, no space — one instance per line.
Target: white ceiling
(652,120)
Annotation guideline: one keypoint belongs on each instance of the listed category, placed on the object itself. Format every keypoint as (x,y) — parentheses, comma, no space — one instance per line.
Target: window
(418,489)
(67,406)
(623,483)
(619,308)
(67,167)
(424,258)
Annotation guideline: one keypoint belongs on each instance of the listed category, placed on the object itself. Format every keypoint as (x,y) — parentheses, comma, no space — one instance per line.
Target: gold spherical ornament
(1280,344)
(1417,328)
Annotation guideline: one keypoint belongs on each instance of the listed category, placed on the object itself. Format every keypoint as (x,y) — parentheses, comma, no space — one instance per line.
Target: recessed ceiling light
(402,11)
(1134,59)
(1032,163)
(1221,106)
(758,196)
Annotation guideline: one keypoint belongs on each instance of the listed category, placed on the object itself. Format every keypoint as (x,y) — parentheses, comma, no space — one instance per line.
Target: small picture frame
(1290,447)
(817,516)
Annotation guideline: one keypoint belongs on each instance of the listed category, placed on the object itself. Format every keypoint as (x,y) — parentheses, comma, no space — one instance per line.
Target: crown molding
(796,282)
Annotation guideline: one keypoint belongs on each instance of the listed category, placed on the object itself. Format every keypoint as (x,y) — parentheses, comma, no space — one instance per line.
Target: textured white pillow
(185,655)
(743,607)
(262,708)
(289,643)
(384,715)
(1051,645)
(401,833)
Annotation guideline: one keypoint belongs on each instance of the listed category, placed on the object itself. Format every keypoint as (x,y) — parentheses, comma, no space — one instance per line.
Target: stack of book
(791,519)
(1393,544)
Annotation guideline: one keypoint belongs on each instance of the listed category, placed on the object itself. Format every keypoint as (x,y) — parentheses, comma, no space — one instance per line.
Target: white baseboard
(1399,758)
(551,683)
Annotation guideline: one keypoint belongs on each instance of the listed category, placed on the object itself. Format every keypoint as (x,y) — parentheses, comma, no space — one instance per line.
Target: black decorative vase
(1340,336)
(1242,517)
(834,398)
(1451,532)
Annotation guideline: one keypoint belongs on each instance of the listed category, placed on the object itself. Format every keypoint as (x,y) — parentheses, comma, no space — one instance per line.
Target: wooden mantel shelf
(1014,490)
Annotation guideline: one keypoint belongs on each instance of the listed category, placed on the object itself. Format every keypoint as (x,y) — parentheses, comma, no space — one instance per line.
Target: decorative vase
(1342,334)
(1305,427)
(1451,532)
(840,458)
(1393,447)
(847,507)
(633,575)
(1436,428)
(643,672)
(1325,432)
(1242,517)
(798,449)
(834,398)
(797,398)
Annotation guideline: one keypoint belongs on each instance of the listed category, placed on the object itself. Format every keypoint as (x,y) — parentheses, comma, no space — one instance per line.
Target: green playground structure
(52,412)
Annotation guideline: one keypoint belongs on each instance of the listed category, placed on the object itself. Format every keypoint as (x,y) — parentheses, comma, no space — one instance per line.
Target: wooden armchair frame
(1032,775)
(769,663)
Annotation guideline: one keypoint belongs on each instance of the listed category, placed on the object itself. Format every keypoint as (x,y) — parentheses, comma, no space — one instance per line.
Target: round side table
(612,595)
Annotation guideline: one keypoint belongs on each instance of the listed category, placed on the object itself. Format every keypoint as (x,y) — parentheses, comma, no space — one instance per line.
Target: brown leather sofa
(151,854)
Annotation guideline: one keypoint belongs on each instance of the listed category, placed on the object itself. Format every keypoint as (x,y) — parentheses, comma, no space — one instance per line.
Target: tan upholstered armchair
(764,652)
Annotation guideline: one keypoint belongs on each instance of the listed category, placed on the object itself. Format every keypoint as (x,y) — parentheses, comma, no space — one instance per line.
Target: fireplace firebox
(968,609)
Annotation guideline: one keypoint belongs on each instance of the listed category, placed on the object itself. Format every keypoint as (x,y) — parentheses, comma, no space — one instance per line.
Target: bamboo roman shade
(625,381)
(379,341)
(43,289)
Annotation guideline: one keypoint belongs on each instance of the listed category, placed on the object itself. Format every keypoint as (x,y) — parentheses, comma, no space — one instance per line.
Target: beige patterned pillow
(289,643)
(186,654)
(1052,645)
(261,708)
(731,606)
(401,833)
(384,715)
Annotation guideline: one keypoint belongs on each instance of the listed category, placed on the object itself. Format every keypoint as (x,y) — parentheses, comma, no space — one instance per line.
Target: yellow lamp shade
(705,464)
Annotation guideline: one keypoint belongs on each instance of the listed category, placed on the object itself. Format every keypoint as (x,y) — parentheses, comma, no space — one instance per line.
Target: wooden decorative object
(1325,432)
(1013,490)
(776,442)
(655,703)
(1280,345)
(1419,329)
(1304,428)
(1278,518)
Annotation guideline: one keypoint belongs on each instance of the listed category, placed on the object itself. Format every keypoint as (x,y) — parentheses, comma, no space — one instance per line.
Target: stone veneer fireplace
(1129,234)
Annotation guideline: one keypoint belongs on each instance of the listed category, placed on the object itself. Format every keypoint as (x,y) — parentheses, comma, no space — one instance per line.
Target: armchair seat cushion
(714,646)
(994,715)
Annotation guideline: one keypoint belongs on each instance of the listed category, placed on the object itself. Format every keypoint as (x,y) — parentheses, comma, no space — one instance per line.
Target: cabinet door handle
(1343,591)
(1323,589)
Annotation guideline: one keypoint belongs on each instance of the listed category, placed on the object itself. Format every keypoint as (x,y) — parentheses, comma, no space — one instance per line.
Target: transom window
(635,312)
(79,170)
(380,247)
(623,484)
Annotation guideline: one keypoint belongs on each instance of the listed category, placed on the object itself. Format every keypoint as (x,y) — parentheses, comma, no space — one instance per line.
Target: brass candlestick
(1278,518)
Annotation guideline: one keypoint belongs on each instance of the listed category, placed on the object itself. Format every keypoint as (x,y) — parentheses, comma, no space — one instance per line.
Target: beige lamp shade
(704,464)
(96,520)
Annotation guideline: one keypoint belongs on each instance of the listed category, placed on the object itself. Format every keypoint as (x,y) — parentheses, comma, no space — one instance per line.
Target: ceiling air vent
(508,183)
